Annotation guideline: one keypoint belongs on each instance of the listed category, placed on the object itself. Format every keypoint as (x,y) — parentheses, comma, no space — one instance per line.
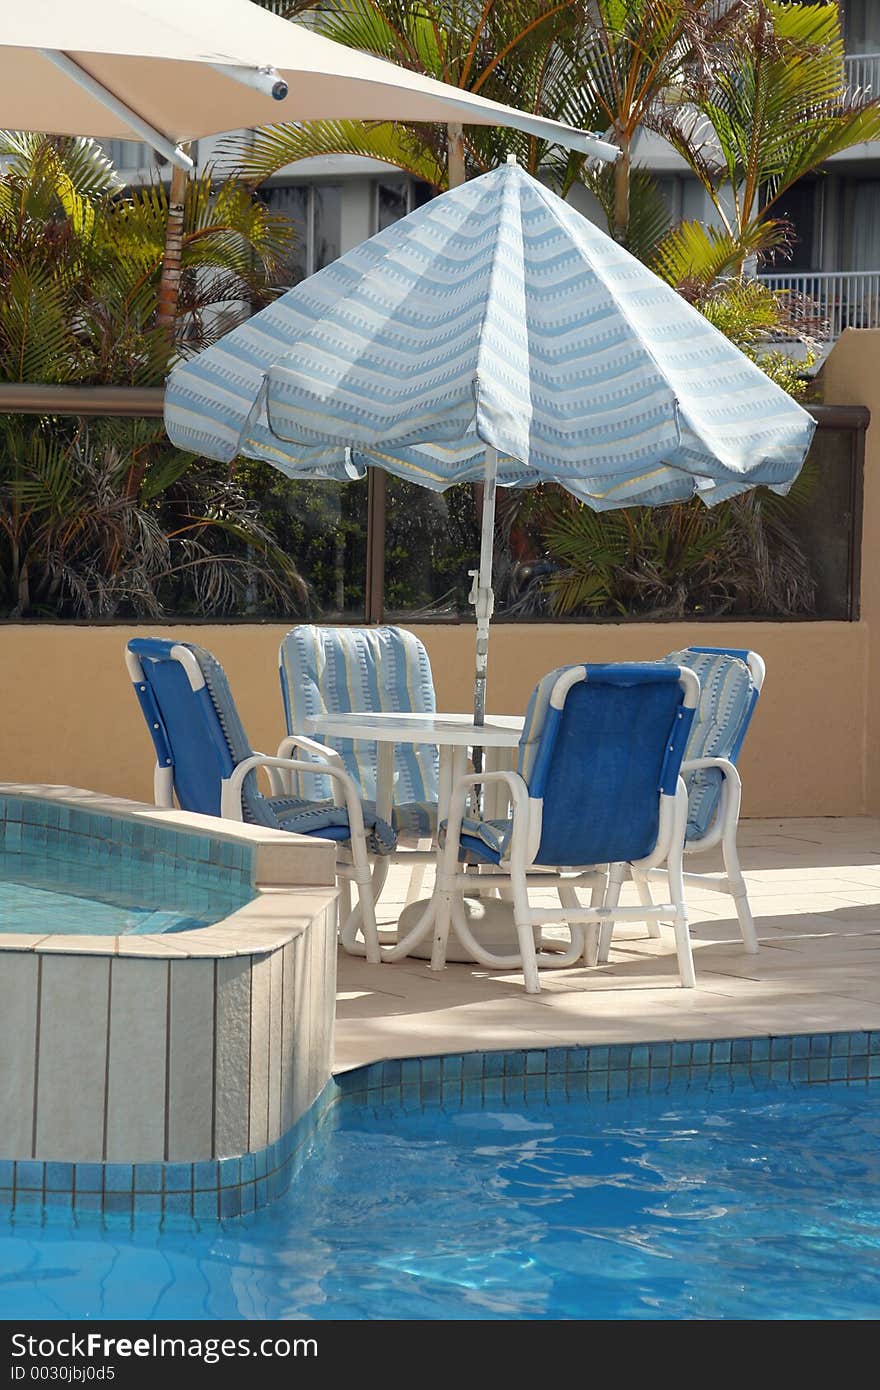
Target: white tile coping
(294,882)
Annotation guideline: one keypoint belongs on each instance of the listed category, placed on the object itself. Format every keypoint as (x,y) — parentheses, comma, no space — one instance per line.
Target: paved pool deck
(814,886)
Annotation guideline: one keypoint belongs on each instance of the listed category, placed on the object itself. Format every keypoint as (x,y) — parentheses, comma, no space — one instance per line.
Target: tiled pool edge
(132,1067)
(597,1073)
(209,1190)
(227,1188)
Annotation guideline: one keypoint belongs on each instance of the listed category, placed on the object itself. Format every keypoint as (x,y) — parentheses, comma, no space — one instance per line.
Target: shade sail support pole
(482,595)
(136,124)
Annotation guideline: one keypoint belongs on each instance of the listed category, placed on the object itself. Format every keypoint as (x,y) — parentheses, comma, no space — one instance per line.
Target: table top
(499,730)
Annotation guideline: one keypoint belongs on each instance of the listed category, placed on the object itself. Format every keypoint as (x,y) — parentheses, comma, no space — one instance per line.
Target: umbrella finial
(511,159)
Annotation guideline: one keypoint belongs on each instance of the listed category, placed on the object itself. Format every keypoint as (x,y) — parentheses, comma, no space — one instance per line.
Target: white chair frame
(722,831)
(419,858)
(358,870)
(514,870)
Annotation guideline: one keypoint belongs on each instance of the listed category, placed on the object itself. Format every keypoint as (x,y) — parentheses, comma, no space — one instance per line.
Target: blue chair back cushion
(602,768)
(194,736)
(203,734)
(728,696)
(365,670)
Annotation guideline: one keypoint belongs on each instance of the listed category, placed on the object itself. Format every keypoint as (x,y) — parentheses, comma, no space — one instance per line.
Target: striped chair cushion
(727,695)
(369,669)
(303,815)
(317,818)
(483,839)
(536,716)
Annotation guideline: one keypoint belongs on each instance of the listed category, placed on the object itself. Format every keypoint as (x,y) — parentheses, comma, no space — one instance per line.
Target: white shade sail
(181,69)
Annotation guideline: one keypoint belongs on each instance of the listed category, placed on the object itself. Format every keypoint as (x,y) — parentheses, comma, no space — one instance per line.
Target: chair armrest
(230,787)
(328,758)
(519,800)
(722,765)
(727,814)
(309,745)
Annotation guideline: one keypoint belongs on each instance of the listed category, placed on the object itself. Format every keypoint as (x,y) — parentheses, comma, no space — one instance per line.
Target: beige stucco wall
(852,377)
(67,713)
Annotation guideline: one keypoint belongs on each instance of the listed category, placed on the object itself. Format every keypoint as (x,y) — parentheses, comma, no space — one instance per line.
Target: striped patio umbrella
(496,336)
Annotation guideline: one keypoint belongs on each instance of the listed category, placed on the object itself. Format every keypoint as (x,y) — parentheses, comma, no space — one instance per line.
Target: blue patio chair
(334,670)
(730,683)
(204,760)
(341,670)
(597,782)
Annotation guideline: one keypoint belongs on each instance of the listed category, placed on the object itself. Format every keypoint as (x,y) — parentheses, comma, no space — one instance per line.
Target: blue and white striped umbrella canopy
(494,315)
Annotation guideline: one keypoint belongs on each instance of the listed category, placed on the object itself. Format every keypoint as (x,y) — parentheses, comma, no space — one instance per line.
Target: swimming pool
(761,1200)
(166,1003)
(65,870)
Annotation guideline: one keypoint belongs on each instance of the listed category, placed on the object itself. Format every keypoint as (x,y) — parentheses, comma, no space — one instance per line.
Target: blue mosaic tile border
(624,1069)
(169,870)
(216,1189)
(233,1187)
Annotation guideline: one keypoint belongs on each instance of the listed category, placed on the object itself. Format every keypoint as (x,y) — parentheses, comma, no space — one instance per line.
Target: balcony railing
(130,156)
(863,72)
(834,300)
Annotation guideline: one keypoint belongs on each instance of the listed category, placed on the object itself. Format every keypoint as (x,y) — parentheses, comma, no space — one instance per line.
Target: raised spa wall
(175,1073)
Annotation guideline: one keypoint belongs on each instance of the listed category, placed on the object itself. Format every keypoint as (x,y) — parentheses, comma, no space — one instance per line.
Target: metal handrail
(839,299)
(863,72)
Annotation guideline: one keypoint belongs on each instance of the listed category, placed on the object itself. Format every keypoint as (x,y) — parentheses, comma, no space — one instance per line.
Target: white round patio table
(452,735)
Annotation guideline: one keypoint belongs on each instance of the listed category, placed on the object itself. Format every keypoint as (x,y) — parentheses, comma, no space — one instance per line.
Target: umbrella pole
(481,595)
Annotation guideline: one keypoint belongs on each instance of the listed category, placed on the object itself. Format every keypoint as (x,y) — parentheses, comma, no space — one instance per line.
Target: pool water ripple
(756,1204)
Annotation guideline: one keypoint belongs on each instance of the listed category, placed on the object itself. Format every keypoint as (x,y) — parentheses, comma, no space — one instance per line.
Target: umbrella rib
(136,124)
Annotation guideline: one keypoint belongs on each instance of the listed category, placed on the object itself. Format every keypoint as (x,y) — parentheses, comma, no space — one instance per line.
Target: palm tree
(523,52)
(81,264)
(109,518)
(773,107)
(172,256)
(639,57)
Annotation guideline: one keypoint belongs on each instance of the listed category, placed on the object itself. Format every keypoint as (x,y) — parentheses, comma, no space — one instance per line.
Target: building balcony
(835,299)
(863,72)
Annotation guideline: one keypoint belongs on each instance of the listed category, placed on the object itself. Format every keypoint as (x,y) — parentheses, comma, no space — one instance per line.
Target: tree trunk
(169,285)
(621,194)
(455,155)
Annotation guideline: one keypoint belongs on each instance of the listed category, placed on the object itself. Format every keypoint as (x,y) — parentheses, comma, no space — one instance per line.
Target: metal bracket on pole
(267,80)
(135,123)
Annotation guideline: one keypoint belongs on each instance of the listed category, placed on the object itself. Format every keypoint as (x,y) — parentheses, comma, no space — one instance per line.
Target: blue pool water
(81,897)
(30,907)
(754,1204)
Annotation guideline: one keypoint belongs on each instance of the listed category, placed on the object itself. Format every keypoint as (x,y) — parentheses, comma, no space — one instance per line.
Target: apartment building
(336,202)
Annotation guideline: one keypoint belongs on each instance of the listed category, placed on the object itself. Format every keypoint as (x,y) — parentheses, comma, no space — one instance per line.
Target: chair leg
(442,923)
(739,892)
(344,901)
(526,938)
(417,877)
(367,912)
(616,875)
(364,915)
(683,947)
(568,897)
(646,898)
(525,932)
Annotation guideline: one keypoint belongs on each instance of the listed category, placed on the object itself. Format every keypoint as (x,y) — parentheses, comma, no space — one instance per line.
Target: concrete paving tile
(815,888)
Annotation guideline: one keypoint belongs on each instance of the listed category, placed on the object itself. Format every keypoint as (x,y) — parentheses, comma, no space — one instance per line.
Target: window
(315,212)
(129,155)
(860,227)
(393,198)
(801,206)
(685,199)
(861,26)
(249,544)
(392,202)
